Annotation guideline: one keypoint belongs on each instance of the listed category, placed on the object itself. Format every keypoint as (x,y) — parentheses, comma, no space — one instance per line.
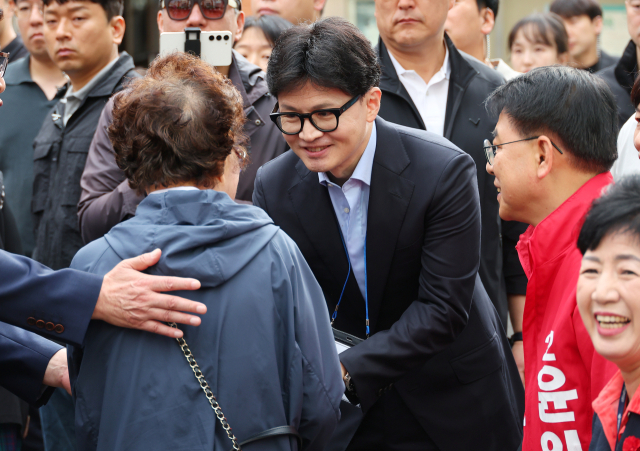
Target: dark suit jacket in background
(620,78)
(467,125)
(435,334)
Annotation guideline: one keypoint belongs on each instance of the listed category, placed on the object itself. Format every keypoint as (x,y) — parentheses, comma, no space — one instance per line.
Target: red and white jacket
(563,373)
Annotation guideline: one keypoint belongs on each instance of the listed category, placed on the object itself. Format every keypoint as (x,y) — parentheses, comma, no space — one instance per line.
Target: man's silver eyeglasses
(490,150)
(4,60)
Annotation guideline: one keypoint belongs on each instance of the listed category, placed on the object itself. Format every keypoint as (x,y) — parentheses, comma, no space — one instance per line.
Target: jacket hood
(202,234)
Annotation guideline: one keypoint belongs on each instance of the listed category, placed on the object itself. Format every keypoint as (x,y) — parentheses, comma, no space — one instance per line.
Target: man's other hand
(134,300)
(57,372)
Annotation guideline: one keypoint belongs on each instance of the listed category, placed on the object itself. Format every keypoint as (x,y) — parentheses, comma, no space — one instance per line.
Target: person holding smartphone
(106,196)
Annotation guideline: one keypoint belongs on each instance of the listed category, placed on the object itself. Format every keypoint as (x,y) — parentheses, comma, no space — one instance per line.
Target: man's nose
(490,169)
(196,19)
(309,133)
(36,18)
(62,32)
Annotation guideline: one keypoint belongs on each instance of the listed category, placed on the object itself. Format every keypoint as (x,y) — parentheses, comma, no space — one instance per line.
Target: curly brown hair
(177,124)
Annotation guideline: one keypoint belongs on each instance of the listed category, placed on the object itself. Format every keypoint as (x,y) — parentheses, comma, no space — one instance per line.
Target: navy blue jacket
(29,291)
(265,345)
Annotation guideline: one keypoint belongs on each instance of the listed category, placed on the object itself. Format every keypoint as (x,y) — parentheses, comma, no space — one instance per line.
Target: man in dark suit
(388,219)
(429,85)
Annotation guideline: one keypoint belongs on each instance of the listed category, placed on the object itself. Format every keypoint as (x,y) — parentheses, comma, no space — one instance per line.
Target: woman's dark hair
(271,26)
(111,8)
(576,106)
(329,53)
(179,123)
(635,93)
(573,8)
(542,28)
(617,211)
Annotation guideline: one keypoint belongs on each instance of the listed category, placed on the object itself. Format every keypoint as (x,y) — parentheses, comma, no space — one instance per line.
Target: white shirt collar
(444,72)
(363,170)
(175,188)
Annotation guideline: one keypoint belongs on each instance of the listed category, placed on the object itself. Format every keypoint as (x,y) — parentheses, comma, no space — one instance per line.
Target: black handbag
(273,432)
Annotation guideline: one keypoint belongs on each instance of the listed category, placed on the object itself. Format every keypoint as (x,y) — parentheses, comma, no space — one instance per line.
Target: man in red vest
(553,146)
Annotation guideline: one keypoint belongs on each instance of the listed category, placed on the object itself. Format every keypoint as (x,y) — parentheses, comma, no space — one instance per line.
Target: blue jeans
(58,422)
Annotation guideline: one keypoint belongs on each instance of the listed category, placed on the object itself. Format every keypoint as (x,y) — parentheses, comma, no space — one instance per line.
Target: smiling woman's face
(608,296)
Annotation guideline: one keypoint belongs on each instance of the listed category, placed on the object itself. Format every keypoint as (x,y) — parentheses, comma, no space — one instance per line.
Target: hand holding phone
(214,47)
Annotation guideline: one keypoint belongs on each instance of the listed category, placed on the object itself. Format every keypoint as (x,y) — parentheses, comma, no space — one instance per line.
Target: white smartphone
(214,47)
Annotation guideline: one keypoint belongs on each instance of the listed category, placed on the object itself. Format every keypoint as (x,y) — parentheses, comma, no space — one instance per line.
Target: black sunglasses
(325,120)
(210,9)
(490,150)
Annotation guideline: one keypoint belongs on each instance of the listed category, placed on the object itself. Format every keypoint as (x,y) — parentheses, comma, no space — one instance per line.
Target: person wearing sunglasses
(553,146)
(106,196)
(388,219)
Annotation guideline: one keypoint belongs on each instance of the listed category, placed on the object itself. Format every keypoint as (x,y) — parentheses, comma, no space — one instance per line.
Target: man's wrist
(517,336)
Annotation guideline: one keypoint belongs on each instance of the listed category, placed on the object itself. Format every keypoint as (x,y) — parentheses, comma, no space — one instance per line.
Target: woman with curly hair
(263,361)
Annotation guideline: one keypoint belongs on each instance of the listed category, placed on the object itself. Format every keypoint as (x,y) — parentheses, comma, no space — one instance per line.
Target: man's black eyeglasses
(490,150)
(325,120)
(210,9)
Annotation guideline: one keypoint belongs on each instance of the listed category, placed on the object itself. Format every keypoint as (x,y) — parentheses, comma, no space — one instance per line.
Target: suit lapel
(389,198)
(313,207)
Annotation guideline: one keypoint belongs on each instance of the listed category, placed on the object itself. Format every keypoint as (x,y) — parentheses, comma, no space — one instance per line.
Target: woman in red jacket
(608,297)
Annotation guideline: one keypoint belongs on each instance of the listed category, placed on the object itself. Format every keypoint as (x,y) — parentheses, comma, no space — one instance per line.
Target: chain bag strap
(207,391)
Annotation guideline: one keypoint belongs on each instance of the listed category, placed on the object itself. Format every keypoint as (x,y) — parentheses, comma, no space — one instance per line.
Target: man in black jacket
(620,77)
(388,219)
(82,37)
(428,84)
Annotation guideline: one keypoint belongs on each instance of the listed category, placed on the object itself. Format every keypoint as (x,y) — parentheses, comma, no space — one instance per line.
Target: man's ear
(160,20)
(118,26)
(372,99)
(318,6)
(544,154)
(488,21)
(240,26)
(597,24)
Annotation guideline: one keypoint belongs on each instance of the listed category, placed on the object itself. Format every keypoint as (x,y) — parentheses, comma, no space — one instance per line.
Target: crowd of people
(398,245)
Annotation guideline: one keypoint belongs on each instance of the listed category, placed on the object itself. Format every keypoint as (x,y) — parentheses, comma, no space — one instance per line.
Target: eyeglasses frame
(494,147)
(4,63)
(336,111)
(233,3)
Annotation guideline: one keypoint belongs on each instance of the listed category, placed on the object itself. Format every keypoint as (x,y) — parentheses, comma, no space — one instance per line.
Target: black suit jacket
(467,124)
(435,333)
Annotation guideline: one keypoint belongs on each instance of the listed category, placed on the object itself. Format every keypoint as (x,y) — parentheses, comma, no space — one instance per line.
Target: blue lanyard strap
(621,405)
(366,294)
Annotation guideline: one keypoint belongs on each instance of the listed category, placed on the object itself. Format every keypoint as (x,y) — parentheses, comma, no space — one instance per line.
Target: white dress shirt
(628,162)
(351,204)
(429,98)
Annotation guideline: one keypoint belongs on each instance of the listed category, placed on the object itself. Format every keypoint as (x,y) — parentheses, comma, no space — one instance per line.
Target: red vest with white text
(563,373)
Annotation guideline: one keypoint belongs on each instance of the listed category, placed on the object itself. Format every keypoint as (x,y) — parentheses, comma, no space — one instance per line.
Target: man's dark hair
(271,26)
(617,211)
(330,53)
(577,107)
(542,28)
(573,8)
(493,5)
(177,124)
(111,7)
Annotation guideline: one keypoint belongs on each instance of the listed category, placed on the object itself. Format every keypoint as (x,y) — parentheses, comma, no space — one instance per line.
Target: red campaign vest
(563,373)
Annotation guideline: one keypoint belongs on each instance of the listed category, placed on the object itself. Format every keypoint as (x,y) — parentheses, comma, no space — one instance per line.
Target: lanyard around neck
(621,405)
(366,301)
